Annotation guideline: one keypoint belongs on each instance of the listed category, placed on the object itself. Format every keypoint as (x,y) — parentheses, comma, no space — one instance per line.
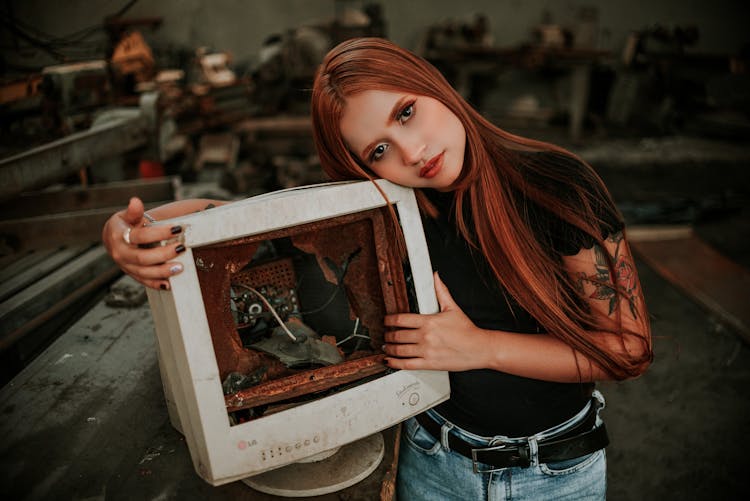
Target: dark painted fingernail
(180,248)
(176,229)
(163,287)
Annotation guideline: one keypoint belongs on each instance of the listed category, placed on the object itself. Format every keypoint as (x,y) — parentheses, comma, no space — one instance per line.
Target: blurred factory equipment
(457,33)
(465,54)
(215,71)
(288,60)
(72,92)
(217,153)
(133,56)
(663,87)
(47,234)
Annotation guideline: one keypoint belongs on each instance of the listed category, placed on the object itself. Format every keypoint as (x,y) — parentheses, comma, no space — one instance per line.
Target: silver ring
(126,235)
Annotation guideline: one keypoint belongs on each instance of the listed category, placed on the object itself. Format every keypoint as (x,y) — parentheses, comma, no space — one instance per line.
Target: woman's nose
(412,152)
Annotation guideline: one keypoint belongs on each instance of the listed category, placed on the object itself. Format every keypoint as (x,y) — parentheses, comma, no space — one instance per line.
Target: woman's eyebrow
(392,117)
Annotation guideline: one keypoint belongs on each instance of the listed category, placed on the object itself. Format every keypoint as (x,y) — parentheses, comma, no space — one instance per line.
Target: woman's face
(408,139)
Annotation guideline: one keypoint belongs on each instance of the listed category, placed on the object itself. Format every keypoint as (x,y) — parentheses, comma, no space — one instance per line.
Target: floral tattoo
(625,278)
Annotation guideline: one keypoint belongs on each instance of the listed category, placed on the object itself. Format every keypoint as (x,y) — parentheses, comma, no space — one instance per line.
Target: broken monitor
(270,339)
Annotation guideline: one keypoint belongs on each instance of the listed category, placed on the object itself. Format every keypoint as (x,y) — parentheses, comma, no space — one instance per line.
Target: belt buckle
(523,459)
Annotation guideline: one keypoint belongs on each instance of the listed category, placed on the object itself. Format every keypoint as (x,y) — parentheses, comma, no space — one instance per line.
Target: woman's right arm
(126,229)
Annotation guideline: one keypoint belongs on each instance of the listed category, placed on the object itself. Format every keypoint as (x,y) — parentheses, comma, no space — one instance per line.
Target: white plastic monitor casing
(223,453)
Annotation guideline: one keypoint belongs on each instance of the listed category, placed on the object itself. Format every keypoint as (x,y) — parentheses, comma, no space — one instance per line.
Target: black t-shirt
(484,401)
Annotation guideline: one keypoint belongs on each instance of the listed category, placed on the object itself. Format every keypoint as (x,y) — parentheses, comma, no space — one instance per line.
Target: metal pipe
(53,161)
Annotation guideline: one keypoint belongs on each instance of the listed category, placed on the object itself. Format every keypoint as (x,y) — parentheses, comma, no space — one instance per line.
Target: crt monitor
(270,339)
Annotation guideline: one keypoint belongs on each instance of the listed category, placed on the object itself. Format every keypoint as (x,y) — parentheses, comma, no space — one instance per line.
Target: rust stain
(305,383)
(374,283)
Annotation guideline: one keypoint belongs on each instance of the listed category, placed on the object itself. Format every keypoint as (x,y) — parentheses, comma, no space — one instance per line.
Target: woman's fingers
(406,363)
(404,343)
(154,276)
(143,252)
(134,212)
(408,320)
(402,350)
(156,272)
(140,256)
(402,336)
(154,284)
(151,235)
(150,266)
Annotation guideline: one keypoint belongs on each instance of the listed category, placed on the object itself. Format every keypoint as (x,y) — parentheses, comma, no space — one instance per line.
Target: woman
(538,294)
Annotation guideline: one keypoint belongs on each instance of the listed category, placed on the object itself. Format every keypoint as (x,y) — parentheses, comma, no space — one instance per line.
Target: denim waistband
(447,427)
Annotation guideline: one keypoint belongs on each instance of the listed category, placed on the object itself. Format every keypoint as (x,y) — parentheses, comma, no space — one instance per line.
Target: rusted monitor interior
(329,283)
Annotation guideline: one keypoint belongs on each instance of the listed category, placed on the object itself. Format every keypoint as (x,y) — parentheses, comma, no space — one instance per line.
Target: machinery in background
(664,87)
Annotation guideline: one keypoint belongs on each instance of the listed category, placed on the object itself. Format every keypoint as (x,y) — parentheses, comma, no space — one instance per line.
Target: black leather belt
(583,439)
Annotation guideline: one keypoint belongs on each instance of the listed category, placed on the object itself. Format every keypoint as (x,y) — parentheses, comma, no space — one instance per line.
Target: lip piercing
(126,236)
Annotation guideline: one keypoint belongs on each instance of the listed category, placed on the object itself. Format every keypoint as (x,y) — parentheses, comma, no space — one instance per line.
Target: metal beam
(25,277)
(33,301)
(55,230)
(54,161)
(96,196)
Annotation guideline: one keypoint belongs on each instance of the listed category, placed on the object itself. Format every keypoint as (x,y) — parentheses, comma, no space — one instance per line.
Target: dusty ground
(679,431)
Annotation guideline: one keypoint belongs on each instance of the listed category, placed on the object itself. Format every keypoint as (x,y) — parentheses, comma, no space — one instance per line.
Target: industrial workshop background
(102,100)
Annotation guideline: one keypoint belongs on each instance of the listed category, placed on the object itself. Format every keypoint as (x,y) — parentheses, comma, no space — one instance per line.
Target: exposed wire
(54,45)
(271,308)
(124,9)
(340,274)
(353,334)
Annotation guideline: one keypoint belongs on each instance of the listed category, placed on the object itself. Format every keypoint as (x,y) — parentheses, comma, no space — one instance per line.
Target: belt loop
(601,404)
(444,430)
(533,451)
(596,394)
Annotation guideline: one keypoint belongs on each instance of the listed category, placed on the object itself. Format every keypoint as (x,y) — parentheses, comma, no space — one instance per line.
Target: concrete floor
(87,419)
(678,432)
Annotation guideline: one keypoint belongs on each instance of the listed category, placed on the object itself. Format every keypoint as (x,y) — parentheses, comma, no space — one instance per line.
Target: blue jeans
(428,470)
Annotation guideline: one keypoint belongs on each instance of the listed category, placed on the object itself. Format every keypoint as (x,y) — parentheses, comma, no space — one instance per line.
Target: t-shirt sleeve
(567,240)
(564,238)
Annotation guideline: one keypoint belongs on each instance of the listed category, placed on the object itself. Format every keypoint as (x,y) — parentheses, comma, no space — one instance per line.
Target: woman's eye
(406,113)
(378,152)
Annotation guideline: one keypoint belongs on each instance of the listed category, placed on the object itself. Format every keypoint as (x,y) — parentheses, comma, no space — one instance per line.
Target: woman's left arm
(449,340)
(617,302)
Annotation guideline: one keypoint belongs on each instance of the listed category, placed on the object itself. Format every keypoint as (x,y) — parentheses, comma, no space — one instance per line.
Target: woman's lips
(432,167)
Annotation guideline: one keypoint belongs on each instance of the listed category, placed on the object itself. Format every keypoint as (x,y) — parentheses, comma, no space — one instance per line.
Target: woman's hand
(122,234)
(448,340)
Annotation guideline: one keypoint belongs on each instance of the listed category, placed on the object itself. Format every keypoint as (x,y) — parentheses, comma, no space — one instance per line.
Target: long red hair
(492,170)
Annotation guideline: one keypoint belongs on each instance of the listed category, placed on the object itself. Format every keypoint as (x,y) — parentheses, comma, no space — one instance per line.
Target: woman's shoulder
(574,186)
(556,170)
